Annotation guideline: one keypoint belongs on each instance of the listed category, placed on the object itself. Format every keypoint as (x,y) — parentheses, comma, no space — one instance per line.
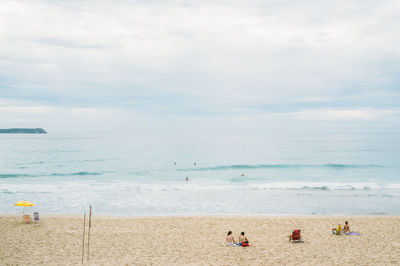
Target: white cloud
(344,115)
(24,109)
(341,115)
(141,60)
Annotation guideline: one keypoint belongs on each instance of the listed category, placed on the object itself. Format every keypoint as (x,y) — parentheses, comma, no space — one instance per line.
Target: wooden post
(90,225)
(83,237)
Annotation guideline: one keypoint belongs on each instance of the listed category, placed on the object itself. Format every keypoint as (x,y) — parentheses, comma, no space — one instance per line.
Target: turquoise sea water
(145,175)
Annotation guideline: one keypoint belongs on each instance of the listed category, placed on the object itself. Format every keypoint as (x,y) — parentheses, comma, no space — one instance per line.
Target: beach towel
(353,234)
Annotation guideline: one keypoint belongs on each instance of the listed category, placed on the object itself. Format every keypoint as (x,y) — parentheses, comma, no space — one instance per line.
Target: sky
(200,67)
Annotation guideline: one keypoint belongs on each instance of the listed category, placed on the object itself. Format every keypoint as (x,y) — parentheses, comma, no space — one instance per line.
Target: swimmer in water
(187,179)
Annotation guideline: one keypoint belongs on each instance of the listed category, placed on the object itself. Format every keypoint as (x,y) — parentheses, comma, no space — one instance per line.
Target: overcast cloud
(145,66)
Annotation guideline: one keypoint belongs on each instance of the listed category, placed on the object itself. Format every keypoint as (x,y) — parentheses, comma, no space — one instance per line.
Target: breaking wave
(281,166)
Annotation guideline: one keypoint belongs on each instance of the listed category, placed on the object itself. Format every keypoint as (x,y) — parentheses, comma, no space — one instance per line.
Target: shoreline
(199,240)
(105,216)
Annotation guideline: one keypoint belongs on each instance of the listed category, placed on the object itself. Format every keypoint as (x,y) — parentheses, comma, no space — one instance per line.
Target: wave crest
(13,175)
(281,166)
(82,173)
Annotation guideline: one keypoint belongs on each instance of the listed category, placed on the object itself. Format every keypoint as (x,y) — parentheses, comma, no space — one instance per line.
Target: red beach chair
(27,218)
(295,237)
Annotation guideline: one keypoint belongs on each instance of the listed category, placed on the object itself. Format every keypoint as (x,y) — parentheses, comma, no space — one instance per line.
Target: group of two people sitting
(230,240)
(339,230)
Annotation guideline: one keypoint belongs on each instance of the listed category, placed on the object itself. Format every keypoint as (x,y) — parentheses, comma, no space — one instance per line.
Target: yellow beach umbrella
(24,203)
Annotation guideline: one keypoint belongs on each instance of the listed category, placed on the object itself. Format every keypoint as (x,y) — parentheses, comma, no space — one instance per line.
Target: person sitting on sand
(230,240)
(337,230)
(243,241)
(346,228)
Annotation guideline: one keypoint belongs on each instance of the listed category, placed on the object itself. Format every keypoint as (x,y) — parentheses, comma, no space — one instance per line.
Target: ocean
(144,175)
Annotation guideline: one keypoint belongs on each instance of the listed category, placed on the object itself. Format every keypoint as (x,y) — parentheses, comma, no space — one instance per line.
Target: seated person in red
(243,241)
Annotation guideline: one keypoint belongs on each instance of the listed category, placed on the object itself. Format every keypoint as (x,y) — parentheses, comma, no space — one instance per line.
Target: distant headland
(23,131)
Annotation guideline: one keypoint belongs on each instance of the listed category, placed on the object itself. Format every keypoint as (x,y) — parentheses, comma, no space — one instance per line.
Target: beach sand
(57,240)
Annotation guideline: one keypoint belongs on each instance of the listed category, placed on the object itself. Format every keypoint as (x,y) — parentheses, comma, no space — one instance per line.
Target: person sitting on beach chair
(337,230)
(36,217)
(243,241)
(295,237)
(230,240)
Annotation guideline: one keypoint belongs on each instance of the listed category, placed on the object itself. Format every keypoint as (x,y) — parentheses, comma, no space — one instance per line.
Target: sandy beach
(57,240)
